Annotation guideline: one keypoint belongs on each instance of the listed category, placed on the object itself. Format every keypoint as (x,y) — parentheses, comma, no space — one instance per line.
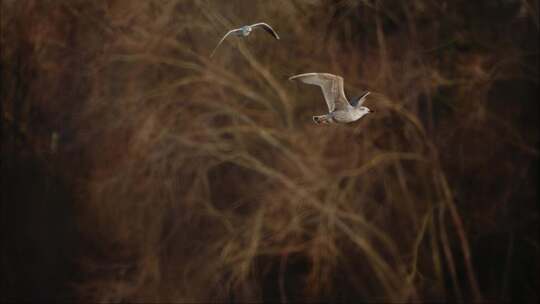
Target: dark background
(134,168)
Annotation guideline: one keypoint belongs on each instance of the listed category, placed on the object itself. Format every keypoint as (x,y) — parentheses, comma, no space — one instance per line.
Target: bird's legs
(325,119)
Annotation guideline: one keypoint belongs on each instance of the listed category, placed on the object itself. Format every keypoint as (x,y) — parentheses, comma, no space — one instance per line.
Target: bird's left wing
(267,28)
(224,37)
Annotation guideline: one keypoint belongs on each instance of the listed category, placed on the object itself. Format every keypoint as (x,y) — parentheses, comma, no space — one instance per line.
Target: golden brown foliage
(206,180)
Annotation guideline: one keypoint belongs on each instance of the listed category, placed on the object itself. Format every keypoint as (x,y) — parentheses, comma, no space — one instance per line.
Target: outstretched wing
(357,102)
(222,39)
(332,88)
(267,28)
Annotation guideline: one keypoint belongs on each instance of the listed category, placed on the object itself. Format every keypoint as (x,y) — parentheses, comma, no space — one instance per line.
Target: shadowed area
(137,169)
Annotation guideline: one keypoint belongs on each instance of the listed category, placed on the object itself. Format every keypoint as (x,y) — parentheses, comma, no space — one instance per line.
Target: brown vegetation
(136,169)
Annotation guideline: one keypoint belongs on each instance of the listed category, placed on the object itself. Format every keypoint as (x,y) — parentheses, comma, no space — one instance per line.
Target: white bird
(339,108)
(245,30)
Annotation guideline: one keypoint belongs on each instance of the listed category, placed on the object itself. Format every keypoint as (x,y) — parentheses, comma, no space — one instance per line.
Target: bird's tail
(325,119)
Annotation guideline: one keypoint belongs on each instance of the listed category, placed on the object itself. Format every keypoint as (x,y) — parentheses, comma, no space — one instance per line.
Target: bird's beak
(371,111)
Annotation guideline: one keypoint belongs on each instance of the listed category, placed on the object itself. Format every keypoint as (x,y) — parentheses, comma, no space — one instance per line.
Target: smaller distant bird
(340,110)
(245,30)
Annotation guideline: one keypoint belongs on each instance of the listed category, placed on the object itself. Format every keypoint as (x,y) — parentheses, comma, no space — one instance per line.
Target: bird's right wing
(267,28)
(332,88)
(363,98)
(222,39)
(360,100)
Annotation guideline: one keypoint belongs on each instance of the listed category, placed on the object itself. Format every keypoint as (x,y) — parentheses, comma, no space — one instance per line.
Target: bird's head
(365,110)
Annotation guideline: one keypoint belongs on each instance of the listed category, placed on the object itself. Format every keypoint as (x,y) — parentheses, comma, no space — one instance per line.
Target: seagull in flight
(245,30)
(340,110)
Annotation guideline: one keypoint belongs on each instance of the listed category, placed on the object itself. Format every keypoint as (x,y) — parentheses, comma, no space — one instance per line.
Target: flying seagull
(339,108)
(245,30)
